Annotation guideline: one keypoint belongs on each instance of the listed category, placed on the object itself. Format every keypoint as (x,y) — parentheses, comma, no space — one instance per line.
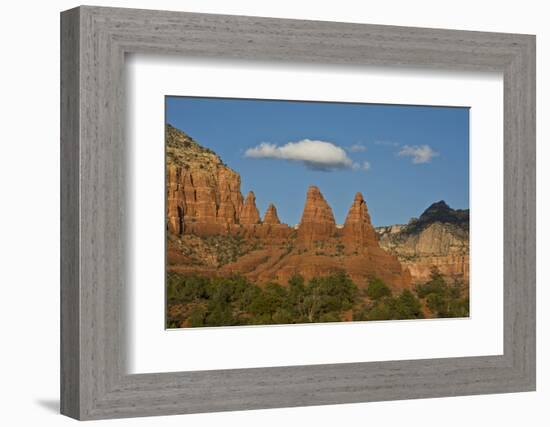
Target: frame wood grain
(94,381)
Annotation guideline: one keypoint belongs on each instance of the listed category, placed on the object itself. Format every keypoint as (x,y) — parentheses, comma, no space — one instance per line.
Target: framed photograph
(227,265)
(261,213)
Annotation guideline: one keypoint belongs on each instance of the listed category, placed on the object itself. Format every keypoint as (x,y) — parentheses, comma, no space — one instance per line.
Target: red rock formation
(271,233)
(175,199)
(271,216)
(204,200)
(275,265)
(317,219)
(249,211)
(358,232)
(201,199)
(202,207)
(229,199)
(202,194)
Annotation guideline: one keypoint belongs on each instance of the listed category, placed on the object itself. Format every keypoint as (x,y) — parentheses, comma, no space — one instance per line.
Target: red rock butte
(204,200)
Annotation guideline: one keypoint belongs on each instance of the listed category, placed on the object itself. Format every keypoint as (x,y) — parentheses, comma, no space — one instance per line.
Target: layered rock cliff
(317,223)
(213,231)
(203,195)
(319,248)
(249,212)
(438,238)
(358,232)
(271,216)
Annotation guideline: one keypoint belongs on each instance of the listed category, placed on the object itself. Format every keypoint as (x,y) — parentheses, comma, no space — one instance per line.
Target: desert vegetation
(227,265)
(194,300)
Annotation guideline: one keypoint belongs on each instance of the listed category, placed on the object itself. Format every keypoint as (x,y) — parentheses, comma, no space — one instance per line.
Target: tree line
(194,300)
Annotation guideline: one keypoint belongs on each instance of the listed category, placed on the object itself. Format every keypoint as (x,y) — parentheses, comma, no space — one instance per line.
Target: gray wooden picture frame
(94,381)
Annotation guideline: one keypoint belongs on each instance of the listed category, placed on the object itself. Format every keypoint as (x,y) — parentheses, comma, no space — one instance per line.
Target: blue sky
(402,158)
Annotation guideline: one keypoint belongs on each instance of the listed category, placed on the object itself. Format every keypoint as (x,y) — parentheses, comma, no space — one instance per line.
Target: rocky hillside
(213,230)
(202,193)
(439,237)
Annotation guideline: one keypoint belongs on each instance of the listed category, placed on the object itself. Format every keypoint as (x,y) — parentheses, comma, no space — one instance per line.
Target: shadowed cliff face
(439,237)
(212,231)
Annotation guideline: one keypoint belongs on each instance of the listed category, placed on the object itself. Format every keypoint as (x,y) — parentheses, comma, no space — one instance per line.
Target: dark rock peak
(437,208)
(440,212)
(442,204)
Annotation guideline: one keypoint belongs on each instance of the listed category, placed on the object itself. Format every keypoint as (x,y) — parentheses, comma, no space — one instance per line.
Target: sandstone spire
(358,231)
(317,219)
(249,212)
(271,216)
(204,199)
(229,196)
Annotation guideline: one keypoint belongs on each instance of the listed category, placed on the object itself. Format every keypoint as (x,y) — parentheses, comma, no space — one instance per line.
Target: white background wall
(29,224)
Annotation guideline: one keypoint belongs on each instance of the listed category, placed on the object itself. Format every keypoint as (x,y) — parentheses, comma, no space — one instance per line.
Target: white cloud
(356,148)
(319,155)
(387,143)
(419,153)
(364,166)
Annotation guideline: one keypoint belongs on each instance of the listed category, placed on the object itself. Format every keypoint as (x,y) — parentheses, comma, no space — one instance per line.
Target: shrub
(377,289)
(443,299)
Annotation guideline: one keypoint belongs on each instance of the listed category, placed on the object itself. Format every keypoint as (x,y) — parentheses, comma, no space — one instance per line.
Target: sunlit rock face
(438,238)
(317,221)
(213,230)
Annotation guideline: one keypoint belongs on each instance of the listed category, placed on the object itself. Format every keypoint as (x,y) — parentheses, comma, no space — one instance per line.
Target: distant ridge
(439,238)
